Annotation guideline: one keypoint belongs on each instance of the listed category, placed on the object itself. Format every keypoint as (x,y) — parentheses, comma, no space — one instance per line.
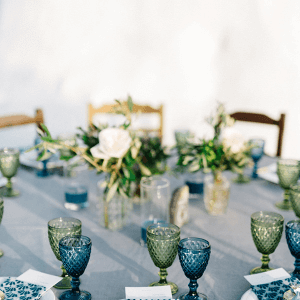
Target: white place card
(267,277)
(39,278)
(154,292)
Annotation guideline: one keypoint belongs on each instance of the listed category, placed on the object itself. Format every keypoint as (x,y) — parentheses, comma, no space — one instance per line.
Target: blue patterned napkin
(275,289)
(21,290)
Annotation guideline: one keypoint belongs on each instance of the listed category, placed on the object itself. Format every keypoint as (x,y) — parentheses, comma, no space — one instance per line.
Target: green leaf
(130,103)
(46,129)
(112,191)
(44,155)
(145,171)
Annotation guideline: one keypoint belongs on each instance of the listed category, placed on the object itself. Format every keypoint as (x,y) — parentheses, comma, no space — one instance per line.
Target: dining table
(117,258)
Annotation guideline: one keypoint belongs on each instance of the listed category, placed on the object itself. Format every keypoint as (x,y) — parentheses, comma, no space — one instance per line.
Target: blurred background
(187,55)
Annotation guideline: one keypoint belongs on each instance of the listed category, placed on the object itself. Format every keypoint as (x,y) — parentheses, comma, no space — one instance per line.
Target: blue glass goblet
(292,234)
(257,152)
(193,255)
(75,253)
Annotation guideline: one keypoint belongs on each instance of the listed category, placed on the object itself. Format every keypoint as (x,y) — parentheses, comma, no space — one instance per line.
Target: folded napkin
(21,290)
(275,289)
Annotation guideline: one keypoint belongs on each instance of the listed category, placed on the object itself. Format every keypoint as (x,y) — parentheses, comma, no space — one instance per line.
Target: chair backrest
(137,109)
(17,120)
(261,118)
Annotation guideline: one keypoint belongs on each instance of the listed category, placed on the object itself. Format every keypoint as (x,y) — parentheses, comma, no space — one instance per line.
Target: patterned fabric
(16,289)
(275,289)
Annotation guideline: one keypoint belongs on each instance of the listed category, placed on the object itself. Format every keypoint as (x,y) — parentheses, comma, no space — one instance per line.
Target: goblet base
(9,192)
(198,297)
(241,179)
(42,173)
(258,270)
(1,253)
(64,284)
(80,295)
(174,287)
(284,205)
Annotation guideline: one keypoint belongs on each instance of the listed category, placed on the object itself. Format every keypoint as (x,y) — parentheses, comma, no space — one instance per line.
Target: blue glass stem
(254,173)
(75,282)
(296,272)
(193,285)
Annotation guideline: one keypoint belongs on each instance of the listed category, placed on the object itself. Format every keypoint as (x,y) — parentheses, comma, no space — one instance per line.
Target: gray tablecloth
(117,259)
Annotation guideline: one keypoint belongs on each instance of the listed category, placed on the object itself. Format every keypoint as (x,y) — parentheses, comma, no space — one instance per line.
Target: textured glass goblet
(257,151)
(266,229)
(292,234)
(162,242)
(295,199)
(9,163)
(288,171)
(194,254)
(1,215)
(57,229)
(75,253)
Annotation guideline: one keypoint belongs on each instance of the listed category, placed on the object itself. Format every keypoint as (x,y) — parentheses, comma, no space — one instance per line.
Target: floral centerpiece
(227,150)
(116,151)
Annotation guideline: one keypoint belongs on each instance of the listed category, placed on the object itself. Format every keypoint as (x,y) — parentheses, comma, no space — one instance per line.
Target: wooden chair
(17,120)
(137,109)
(261,118)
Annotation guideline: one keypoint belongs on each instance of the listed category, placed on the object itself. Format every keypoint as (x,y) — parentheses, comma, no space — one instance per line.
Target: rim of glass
(9,151)
(288,162)
(287,225)
(255,216)
(180,244)
(156,225)
(81,237)
(77,221)
(164,182)
(257,140)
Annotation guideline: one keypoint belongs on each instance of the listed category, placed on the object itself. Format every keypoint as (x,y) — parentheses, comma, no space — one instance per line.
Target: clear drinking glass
(288,171)
(57,229)
(162,242)
(9,163)
(266,229)
(194,254)
(155,200)
(257,151)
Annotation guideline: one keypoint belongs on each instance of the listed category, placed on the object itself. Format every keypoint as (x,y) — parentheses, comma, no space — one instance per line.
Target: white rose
(233,140)
(113,142)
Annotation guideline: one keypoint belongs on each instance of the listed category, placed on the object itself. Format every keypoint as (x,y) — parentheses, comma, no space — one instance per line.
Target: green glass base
(284,205)
(174,287)
(64,284)
(258,270)
(241,179)
(1,253)
(186,297)
(5,192)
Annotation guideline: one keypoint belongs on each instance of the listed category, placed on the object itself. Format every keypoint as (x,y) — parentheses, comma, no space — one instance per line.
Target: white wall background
(60,54)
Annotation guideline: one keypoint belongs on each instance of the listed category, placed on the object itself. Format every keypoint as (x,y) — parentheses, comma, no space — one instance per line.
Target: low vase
(216,193)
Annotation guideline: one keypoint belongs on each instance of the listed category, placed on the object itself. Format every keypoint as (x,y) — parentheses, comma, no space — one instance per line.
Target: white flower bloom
(113,142)
(233,140)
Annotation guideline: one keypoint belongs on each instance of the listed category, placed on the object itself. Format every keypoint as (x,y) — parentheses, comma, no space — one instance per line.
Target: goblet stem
(75,282)
(9,184)
(193,285)
(163,276)
(64,272)
(265,262)
(285,204)
(65,283)
(296,272)
(254,173)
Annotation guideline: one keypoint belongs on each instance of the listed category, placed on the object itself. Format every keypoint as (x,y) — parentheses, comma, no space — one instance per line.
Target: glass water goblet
(257,151)
(75,253)
(288,171)
(57,229)
(292,234)
(162,242)
(194,254)
(9,163)
(266,230)
(1,215)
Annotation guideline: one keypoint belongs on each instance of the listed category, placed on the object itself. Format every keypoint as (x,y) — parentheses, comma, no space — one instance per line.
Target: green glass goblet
(162,242)
(57,229)
(288,171)
(1,215)
(266,229)
(9,163)
(295,199)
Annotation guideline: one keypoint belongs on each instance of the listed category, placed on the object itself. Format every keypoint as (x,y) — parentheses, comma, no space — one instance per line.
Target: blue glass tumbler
(257,152)
(75,253)
(292,234)
(193,255)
